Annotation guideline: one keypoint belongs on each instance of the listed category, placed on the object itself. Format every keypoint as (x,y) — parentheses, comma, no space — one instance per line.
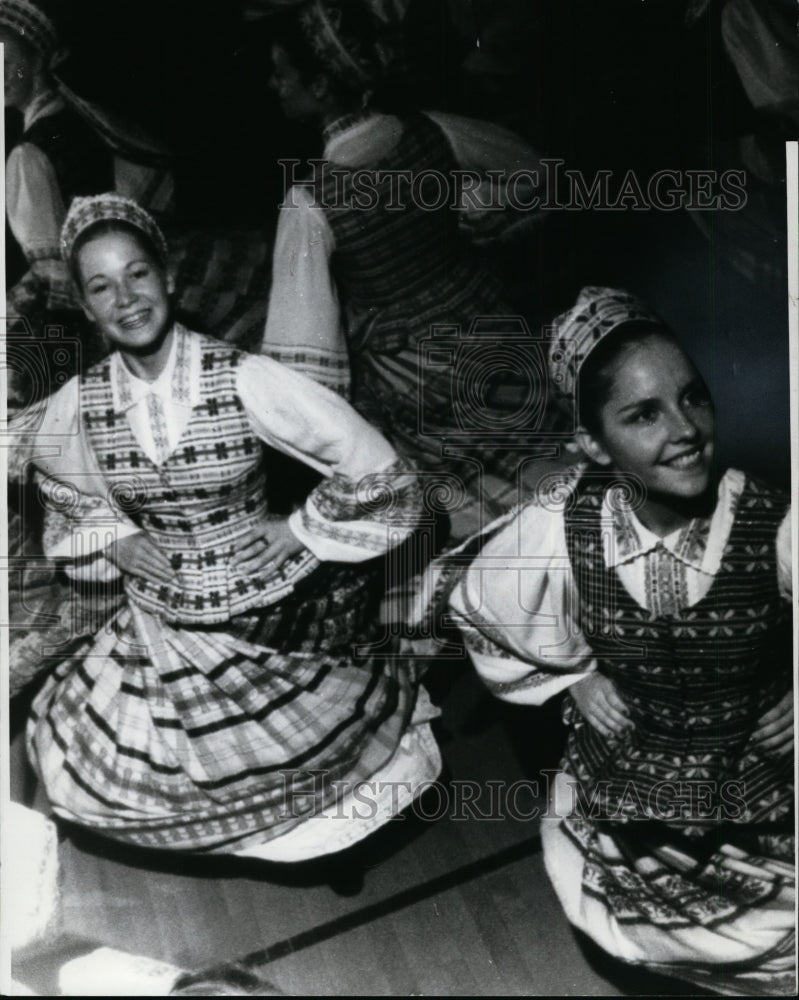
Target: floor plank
(461,907)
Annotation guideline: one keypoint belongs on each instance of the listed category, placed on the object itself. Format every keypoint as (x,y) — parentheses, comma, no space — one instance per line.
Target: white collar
(179,381)
(364,141)
(46,103)
(699,544)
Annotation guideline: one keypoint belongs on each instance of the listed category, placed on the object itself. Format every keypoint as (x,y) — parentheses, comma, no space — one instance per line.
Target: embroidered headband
(84,212)
(597,312)
(31,24)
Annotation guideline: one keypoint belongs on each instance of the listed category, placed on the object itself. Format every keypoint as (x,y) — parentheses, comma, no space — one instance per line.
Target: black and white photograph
(399,550)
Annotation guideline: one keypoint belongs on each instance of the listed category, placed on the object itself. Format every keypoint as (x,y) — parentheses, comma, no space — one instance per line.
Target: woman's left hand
(774,731)
(269,548)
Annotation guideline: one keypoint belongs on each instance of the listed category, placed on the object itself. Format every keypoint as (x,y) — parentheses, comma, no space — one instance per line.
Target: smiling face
(657,421)
(125,291)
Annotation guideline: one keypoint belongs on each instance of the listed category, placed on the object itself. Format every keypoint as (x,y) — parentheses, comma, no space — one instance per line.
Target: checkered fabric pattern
(84,212)
(597,312)
(217,715)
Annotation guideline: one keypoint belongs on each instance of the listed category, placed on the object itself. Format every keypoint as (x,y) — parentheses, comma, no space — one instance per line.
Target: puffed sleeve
(508,188)
(82,517)
(369,500)
(36,213)
(785,558)
(303,325)
(516,609)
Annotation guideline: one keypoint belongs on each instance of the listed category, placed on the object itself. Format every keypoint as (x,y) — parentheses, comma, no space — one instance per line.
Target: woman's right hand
(601,704)
(136,554)
(774,732)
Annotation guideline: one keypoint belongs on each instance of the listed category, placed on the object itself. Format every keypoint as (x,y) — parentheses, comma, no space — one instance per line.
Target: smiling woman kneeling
(656,592)
(236,695)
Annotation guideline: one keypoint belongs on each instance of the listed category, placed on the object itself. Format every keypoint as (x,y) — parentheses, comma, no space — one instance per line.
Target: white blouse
(287,410)
(517,602)
(35,208)
(304,327)
(295,415)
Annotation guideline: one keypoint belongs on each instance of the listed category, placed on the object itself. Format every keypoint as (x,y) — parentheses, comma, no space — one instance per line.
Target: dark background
(618,85)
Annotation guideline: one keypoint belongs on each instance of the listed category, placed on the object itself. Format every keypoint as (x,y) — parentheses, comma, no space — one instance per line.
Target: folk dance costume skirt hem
(222,739)
(725,922)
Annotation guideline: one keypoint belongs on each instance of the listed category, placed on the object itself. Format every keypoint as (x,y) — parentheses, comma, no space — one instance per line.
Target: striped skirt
(222,738)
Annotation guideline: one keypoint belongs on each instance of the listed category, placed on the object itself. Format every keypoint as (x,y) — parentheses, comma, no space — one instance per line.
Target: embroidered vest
(200,505)
(695,682)
(397,236)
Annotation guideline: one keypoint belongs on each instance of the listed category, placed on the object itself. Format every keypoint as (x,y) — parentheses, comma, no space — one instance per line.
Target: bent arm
(303,324)
(369,500)
(82,515)
(516,607)
(36,213)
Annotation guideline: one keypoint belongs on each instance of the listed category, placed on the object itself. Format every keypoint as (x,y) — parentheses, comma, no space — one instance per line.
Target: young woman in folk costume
(59,155)
(68,148)
(224,707)
(654,589)
(366,264)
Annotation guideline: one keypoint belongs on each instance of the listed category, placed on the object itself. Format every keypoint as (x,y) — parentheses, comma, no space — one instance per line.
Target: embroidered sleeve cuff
(349,521)
(342,541)
(510,678)
(533,689)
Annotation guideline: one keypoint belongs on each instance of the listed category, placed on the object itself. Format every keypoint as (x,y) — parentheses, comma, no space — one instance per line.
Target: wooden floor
(462,907)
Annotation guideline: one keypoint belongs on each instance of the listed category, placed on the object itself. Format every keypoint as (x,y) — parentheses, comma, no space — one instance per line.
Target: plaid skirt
(717,911)
(217,739)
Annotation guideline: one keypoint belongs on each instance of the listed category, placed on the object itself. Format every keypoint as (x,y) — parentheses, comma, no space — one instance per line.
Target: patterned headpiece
(31,24)
(84,212)
(597,312)
(346,57)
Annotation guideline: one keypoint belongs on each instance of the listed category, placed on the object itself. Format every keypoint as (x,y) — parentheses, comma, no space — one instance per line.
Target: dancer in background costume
(365,266)
(235,697)
(655,592)
(68,148)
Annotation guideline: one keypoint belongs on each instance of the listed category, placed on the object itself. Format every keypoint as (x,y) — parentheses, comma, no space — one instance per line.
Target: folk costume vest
(200,503)
(397,237)
(695,682)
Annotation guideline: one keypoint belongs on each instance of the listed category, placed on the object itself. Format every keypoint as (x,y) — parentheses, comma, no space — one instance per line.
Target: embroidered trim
(628,541)
(344,123)
(181,388)
(158,427)
(124,386)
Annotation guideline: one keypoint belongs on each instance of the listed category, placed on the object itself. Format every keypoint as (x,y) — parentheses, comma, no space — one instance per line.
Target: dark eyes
(698,397)
(645,415)
(648,413)
(138,273)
